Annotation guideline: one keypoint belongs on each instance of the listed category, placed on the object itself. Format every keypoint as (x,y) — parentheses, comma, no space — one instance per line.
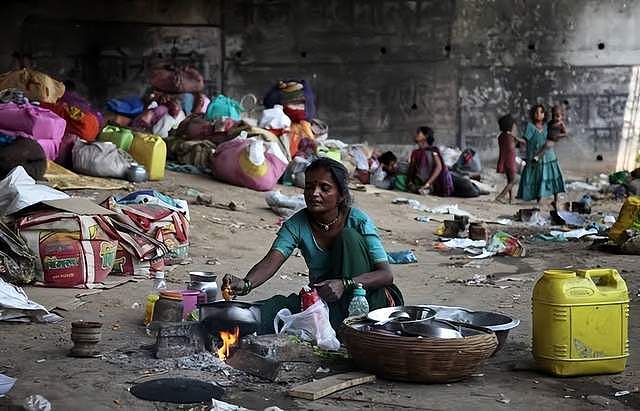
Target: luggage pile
(173,125)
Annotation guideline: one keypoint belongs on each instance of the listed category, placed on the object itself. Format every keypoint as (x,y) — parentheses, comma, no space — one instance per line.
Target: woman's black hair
(387,158)
(428,133)
(532,113)
(340,177)
(506,123)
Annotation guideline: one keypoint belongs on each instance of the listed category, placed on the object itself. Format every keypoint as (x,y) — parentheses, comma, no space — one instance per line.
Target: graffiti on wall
(594,109)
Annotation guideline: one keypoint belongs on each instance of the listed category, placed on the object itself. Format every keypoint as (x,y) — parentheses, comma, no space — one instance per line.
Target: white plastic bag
(18,190)
(311,324)
(274,118)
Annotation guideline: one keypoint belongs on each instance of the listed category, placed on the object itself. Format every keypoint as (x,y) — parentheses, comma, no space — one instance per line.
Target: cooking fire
(229,339)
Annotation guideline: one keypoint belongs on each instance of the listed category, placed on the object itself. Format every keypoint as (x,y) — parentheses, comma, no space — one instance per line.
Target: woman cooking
(340,246)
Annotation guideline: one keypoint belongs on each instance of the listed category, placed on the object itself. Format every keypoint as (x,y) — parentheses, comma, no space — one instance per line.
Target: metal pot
(415,314)
(432,329)
(500,324)
(225,315)
(204,281)
(136,173)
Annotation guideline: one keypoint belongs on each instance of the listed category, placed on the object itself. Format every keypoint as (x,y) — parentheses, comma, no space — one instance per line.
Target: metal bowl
(500,324)
(416,314)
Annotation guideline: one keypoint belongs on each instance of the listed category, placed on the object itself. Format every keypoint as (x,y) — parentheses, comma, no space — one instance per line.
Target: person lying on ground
(384,176)
(340,246)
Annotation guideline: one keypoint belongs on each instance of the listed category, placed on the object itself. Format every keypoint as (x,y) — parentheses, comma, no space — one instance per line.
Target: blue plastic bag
(402,257)
(224,106)
(127,106)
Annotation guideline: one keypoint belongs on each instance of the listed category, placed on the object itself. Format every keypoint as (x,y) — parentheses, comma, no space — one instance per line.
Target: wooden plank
(321,388)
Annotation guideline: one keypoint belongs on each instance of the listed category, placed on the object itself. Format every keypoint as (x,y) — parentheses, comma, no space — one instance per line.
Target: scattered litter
(460,243)
(284,205)
(285,277)
(402,257)
(567,235)
(533,217)
(16,306)
(609,219)
(135,305)
(191,192)
(203,200)
(214,261)
(36,402)
(503,243)
(598,400)
(621,393)
(503,399)
(232,205)
(570,219)
(322,370)
(422,219)
(581,186)
(445,209)
(477,375)
(41,360)
(479,280)
(18,190)
(503,221)
(6,383)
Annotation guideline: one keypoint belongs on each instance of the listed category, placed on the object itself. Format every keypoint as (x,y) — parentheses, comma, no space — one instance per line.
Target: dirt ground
(36,354)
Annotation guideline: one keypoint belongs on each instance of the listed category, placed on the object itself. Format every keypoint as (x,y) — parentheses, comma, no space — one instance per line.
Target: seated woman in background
(340,246)
(427,174)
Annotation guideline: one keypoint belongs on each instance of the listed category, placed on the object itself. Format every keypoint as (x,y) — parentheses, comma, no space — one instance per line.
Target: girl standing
(507,157)
(541,178)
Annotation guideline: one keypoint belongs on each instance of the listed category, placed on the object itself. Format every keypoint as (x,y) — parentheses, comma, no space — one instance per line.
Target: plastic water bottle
(158,281)
(359,305)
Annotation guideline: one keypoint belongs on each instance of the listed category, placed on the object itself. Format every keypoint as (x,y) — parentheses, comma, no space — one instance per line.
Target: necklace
(326,227)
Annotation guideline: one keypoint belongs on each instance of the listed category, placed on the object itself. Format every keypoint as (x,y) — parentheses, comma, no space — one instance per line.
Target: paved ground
(239,239)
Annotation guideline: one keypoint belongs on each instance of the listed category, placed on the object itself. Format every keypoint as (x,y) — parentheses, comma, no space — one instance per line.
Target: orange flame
(229,339)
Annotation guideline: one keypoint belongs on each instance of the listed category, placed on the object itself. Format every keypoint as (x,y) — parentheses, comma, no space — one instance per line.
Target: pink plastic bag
(249,162)
(38,123)
(35,121)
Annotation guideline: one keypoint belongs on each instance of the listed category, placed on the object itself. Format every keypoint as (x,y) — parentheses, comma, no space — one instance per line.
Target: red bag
(84,125)
(176,80)
(163,224)
(72,250)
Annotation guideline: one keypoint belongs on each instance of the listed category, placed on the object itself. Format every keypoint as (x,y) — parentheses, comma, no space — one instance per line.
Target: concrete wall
(379,68)
(107,47)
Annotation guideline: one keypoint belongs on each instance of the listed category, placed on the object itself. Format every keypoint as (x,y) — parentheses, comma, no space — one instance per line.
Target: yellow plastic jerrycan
(150,151)
(580,322)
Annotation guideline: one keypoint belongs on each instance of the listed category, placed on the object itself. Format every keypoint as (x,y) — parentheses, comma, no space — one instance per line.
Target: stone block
(178,339)
(279,358)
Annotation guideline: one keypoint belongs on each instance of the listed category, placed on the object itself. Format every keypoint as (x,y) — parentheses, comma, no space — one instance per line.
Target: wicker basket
(427,360)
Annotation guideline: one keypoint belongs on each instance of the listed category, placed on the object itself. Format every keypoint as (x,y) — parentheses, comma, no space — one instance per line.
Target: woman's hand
(330,290)
(425,189)
(232,285)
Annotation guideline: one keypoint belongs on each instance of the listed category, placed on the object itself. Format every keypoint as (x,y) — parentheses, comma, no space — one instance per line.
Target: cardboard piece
(76,205)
